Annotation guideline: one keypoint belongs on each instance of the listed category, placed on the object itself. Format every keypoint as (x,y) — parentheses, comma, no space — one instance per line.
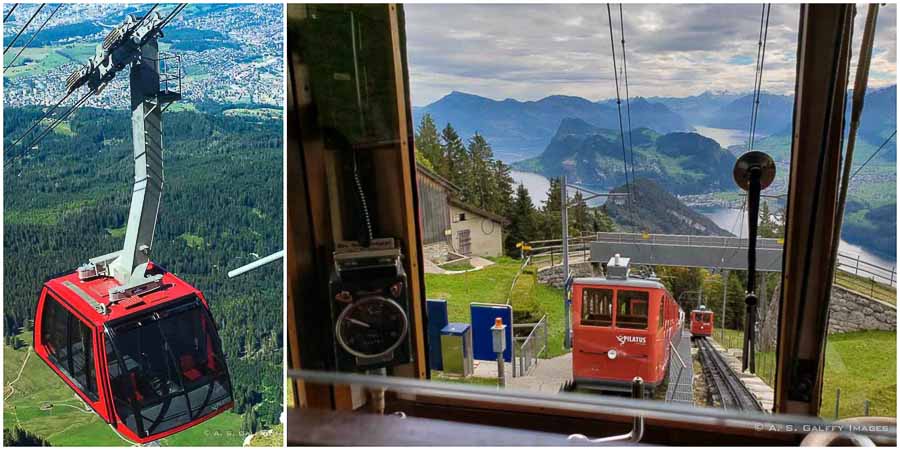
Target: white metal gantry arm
(140,49)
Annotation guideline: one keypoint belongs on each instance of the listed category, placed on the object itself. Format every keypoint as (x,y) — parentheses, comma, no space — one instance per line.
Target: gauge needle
(359,322)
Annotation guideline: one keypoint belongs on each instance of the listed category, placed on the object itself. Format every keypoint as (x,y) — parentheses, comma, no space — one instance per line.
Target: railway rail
(725,386)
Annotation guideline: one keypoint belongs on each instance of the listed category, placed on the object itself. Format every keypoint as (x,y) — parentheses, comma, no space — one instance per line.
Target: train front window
(167,368)
(632,309)
(596,309)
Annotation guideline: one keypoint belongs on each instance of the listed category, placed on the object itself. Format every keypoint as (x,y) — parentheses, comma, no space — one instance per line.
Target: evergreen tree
(455,154)
(478,176)
(521,221)
(428,144)
(18,437)
(503,193)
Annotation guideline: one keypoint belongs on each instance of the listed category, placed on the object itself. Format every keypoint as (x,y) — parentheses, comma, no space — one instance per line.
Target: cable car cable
(171,15)
(24,27)
(33,36)
(873,155)
(53,125)
(756,73)
(6,17)
(36,123)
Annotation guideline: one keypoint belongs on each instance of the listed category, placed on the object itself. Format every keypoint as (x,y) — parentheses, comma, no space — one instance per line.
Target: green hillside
(67,201)
(38,401)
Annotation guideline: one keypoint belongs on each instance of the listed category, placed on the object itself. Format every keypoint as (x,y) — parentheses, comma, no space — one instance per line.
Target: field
(39,402)
(492,285)
(863,365)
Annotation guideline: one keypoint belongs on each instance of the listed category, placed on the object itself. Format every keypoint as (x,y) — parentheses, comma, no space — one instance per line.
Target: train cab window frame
(594,303)
(631,303)
(61,326)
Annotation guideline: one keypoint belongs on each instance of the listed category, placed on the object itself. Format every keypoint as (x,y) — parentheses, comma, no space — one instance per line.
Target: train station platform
(681,372)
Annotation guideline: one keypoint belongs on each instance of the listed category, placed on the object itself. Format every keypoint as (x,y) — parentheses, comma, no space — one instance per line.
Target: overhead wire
(24,27)
(628,187)
(627,95)
(81,100)
(858,169)
(760,68)
(6,17)
(33,36)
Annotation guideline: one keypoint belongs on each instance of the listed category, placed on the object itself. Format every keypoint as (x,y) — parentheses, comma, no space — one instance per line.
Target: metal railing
(873,272)
(532,345)
(580,245)
(670,393)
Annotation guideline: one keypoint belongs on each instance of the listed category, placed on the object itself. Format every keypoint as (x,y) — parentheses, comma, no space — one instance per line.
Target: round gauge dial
(371,327)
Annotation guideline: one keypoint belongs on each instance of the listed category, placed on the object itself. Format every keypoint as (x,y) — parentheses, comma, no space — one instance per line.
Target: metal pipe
(256,264)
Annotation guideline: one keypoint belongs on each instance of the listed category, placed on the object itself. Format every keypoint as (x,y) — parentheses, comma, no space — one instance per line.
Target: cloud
(531,51)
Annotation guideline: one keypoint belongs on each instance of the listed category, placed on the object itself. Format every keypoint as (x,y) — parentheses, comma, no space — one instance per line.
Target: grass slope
(862,364)
(492,285)
(66,424)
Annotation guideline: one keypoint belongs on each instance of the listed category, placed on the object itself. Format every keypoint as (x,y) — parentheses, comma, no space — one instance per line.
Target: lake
(538,185)
(724,136)
(728,219)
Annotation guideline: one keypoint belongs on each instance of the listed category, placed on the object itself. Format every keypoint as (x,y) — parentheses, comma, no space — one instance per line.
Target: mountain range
(521,129)
(685,162)
(655,210)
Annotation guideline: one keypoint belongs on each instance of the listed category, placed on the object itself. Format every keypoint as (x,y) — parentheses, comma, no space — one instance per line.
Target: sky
(528,52)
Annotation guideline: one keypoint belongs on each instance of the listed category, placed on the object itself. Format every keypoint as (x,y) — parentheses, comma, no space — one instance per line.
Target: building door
(465,242)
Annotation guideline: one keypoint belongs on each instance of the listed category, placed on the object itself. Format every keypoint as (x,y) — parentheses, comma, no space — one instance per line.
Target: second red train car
(702,322)
(622,327)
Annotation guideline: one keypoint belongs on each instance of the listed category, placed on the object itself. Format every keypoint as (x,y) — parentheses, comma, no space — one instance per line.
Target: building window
(462,217)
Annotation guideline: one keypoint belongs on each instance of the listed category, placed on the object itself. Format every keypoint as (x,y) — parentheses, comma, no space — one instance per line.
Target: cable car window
(69,343)
(596,309)
(632,309)
(169,369)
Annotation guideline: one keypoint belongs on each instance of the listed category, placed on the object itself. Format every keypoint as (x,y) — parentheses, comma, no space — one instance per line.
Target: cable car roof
(87,295)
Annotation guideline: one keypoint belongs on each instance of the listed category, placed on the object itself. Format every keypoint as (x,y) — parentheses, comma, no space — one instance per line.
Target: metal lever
(637,426)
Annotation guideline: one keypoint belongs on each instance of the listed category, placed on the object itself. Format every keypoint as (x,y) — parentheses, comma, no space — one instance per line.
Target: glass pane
(632,309)
(170,367)
(597,308)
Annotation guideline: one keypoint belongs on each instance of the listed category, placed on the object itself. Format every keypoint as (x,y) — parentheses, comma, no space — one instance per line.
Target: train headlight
(612,353)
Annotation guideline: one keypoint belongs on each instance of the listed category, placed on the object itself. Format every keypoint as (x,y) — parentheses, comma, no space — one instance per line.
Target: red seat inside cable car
(150,365)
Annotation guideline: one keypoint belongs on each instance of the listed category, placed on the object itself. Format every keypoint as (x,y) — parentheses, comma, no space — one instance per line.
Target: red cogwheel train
(702,322)
(622,327)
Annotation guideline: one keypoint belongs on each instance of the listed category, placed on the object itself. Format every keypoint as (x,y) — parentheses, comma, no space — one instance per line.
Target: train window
(661,313)
(69,343)
(632,309)
(597,307)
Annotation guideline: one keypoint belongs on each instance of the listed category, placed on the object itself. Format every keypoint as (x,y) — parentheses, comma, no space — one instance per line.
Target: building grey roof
(481,212)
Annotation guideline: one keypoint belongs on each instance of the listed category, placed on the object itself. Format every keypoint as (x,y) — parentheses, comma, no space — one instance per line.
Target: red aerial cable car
(135,342)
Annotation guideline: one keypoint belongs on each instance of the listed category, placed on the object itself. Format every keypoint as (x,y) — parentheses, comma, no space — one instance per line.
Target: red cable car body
(622,329)
(702,322)
(135,342)
(150,365)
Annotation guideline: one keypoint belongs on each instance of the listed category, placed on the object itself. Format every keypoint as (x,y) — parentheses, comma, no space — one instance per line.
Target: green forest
(67,201)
